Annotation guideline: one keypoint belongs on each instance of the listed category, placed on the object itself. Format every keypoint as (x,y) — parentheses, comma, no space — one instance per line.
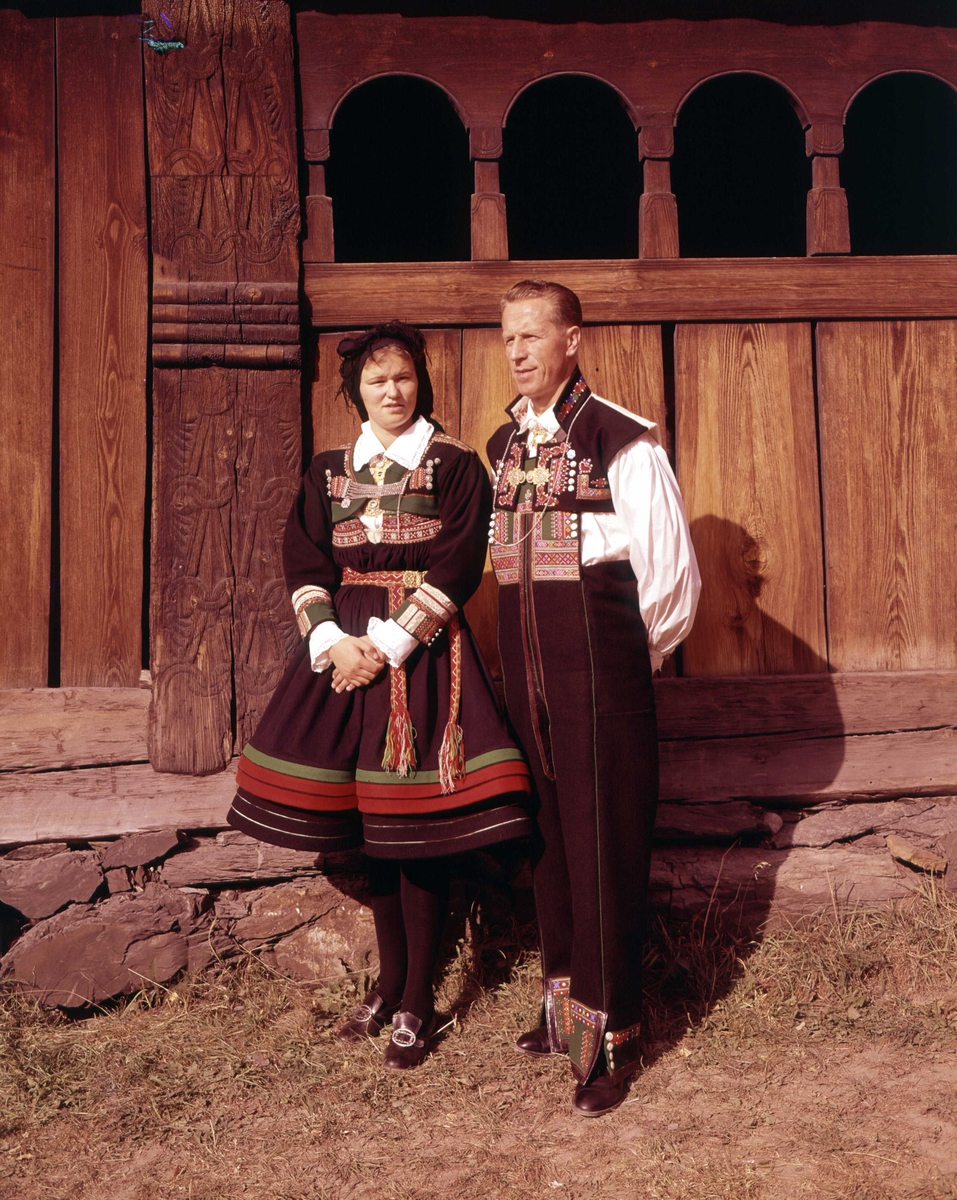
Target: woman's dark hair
(356,351)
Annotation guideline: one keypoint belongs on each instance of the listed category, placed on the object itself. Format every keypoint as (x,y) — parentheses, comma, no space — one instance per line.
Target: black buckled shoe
(602,1095)
(410,1040)
(535,1043)
(367,1019)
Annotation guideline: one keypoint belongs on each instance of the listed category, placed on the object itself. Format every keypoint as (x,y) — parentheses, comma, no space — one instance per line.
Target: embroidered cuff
(623,1051)
(392,640)
(425,614)
(321,640)
(312,605)
(585,1039)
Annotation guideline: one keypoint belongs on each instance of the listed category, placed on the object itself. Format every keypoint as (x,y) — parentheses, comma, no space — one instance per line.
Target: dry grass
(819,1062)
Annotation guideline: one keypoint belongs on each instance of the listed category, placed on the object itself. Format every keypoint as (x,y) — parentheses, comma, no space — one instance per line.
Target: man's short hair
(566,306)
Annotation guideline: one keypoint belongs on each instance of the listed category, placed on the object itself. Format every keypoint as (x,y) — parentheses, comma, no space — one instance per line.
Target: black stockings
(409,903)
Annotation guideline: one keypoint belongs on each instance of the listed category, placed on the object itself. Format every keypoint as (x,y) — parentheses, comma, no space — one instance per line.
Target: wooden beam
(922,763)
(812,705)
(483,63)
(48,728)
(55,728)
(109,801)
(27,238)
(618,290)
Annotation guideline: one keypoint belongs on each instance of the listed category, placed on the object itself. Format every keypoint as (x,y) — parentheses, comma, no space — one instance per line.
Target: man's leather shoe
(410,1039)
(367,1019)
(535,1043)
(602,1095)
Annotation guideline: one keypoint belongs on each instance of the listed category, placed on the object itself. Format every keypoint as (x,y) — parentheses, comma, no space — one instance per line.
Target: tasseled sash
(399,754)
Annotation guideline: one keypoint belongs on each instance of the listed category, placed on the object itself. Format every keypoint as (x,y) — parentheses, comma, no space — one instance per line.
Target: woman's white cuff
(321,640)
(394,642)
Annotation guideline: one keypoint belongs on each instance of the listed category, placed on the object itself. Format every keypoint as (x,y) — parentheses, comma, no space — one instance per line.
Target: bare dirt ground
(819,1062)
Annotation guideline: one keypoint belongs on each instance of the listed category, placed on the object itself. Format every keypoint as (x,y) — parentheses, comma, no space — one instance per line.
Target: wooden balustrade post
(657,212)
(319,243)
(226,384)
(827,226)
(489,227)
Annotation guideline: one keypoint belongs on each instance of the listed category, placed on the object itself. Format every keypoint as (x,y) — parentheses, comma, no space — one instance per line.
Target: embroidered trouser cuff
(557,1016)
(590,1041)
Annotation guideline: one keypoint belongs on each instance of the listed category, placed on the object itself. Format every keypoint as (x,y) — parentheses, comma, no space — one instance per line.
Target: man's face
(540,352)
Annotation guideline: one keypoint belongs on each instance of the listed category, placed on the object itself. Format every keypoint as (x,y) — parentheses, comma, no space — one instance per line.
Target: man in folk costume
(598,583)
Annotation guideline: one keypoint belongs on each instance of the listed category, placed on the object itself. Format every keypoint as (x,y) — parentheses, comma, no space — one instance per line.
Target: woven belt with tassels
(399,754)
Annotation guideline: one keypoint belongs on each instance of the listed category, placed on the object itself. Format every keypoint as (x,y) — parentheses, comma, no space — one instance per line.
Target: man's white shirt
(649,527)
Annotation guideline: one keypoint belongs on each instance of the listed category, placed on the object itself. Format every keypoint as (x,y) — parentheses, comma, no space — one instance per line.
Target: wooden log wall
(73,462)
(808,411)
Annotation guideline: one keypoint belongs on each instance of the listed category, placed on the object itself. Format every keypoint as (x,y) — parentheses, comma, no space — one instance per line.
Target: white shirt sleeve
(321,640)
(646,497)
(395,642)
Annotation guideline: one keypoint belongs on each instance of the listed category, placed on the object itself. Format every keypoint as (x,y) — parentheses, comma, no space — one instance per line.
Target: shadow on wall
(741,756)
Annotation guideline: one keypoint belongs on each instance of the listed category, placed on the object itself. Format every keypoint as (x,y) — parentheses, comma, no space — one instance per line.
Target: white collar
(406,450)
(529,419)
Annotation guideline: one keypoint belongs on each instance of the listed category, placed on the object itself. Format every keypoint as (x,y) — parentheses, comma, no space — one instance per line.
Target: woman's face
(389,388)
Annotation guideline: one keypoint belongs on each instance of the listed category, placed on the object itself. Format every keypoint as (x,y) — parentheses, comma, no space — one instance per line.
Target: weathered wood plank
(487,388)
(889,441)
(623,363)
(194,503)
(103,333)
(744,403)
(109,801)
(814,705)
(919,763)
(44,728)
(616,290)
(27,239)
(268,465)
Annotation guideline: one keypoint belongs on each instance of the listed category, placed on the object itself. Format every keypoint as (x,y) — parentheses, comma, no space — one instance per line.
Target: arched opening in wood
(399,174)
(570,172)
(740,173)
(899,166)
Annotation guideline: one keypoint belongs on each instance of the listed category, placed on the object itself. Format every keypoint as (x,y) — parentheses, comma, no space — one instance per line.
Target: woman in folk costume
(386,727)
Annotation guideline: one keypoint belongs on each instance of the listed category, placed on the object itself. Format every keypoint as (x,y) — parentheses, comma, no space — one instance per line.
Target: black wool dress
(421,762)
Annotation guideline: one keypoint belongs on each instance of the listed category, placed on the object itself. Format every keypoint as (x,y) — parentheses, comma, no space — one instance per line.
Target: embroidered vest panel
(406,499)
(538,499)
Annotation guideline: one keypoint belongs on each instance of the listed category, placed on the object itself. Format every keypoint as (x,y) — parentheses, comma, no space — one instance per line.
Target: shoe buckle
(404,1037)
(363,1013)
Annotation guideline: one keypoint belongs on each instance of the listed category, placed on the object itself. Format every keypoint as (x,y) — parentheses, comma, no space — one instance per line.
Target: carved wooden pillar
(827,227)
(226,384)
(319,244)
(489,229)
(658,212)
